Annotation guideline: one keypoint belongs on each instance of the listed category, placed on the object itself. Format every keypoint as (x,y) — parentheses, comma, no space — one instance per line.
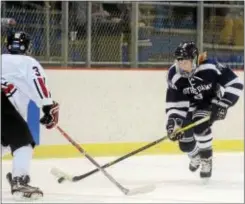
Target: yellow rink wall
(119,149)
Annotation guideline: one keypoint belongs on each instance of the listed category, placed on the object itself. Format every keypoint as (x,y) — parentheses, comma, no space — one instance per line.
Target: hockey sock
(194,152)
(21,161)
(204,143)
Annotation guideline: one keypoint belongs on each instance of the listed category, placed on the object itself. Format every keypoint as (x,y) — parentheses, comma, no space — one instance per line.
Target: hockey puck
(61,179)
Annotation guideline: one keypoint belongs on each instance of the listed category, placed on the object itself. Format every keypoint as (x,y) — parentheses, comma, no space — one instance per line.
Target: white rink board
(120,106)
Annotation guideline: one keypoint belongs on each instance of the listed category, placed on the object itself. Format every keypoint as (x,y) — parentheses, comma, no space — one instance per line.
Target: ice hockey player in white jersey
(194,92)
(23,79)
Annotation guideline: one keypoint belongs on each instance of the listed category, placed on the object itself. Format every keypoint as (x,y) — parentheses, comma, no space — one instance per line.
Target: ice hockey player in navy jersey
(23,79)
(198,87)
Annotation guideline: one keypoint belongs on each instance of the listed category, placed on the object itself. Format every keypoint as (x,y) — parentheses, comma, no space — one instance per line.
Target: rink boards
(112,112)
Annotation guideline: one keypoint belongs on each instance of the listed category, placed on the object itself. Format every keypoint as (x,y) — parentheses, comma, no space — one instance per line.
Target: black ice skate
(21,190)
(194,163)
(206,168)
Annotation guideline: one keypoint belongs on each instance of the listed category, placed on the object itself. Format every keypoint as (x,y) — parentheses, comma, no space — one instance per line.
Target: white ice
(174,182)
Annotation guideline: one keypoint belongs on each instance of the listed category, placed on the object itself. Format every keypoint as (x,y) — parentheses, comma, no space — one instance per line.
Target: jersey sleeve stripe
(208,67)
(43,87)
(203,139)
(237,86)
(227,101)
(232,98)
(49,93)
(234,91)
(175,78)
(180,104)
(37,88)
(178,112)
(191,109)
(233,81)
(10,93)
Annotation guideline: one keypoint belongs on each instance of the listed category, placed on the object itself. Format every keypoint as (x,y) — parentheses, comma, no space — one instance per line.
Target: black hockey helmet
(18,42)
(186,50)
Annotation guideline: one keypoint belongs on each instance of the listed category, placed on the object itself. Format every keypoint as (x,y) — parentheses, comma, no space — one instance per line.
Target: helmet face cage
(187,51)
(18,43)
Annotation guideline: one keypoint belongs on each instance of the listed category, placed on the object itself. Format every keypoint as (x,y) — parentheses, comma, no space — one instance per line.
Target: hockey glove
(51,115)
(173,125)
(218,110)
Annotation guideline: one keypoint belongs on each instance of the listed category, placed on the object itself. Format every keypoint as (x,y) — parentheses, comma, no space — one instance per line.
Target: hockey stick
(144,189)
(63,176)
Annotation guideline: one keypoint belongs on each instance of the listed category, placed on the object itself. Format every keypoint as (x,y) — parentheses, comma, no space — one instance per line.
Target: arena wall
(111,112)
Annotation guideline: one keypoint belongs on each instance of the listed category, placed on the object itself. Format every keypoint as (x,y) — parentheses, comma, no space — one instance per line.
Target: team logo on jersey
(197,91)
(197,87)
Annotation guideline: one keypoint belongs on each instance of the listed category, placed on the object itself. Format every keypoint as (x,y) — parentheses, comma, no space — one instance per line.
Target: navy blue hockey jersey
(197,91)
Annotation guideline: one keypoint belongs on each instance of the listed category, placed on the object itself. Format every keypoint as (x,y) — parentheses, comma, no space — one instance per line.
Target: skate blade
(193,169)
(205,181)
(19,196)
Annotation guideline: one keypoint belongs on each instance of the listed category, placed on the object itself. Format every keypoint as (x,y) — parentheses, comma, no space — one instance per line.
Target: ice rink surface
(174,182)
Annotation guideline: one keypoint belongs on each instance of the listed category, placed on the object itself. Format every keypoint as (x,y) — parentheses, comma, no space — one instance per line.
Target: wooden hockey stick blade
(129,192)
(60,174)
(141,190)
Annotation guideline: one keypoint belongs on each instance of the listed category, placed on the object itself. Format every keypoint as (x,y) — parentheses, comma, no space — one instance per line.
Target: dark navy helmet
(186,50)
(18,42)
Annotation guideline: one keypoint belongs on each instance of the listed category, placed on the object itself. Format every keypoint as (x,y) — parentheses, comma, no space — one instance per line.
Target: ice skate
(206,168)
(21,190)
(195,163)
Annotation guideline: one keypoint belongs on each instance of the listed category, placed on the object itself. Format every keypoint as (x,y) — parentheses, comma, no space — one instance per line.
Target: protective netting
(160,27)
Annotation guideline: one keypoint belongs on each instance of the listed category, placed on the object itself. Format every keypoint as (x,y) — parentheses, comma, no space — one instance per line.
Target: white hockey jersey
(23,79)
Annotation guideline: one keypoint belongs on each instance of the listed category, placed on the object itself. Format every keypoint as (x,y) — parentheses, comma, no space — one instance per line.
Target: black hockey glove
(218,110)
(51,115)
(173,125)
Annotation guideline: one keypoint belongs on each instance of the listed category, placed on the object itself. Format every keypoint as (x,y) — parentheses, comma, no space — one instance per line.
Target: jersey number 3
(37,73)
